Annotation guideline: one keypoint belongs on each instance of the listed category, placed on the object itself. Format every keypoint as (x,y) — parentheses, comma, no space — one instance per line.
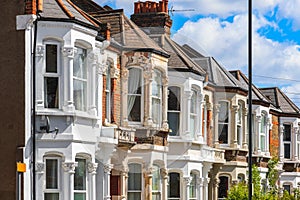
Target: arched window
(174,110)
(193,186)
(52,178)
(135,95)
(156,98)
(287,187)
(134,182)
(223,122)
(80,79)
(287,140)
(156,183)
(223,187)
(174,186)
(108,93)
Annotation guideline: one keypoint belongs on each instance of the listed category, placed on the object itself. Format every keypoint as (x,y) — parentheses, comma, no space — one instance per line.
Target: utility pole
(250,97)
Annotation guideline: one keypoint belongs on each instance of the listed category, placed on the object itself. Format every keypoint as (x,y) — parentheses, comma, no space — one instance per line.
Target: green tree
(272,176)
(238,192)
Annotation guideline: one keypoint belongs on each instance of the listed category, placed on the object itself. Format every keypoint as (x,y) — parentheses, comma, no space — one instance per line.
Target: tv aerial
(172,10)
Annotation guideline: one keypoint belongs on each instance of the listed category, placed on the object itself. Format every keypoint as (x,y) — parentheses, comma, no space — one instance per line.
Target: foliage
(272,176)
(238,192)
(256,183)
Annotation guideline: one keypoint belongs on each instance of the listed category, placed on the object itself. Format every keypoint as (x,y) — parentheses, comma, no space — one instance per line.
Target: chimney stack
(153,15)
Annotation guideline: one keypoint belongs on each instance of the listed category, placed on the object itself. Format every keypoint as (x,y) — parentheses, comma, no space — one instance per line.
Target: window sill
(57,112)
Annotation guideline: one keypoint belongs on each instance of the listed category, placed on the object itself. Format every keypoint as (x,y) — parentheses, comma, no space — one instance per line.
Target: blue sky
(218,28)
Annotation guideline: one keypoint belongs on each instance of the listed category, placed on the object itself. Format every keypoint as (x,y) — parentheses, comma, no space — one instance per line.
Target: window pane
(287,151)
(51,92)
(156,178)
(134,196)
(156,84)
(174,185)
(51,58)
(192,125)
(51,173)
(174,98)
(193,186)
(80,69)
(223,133)
(79,94)
(287,132)
(80,175)
(193,102)
(156,110)
(135,112)
(287,188)
(173,119)
(223,187)
(135,81)
(223,113)
(51,196)
(156,196)
(262,142)
(134,177)
(79,196)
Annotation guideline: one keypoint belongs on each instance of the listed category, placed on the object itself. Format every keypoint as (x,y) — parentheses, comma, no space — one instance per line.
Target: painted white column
(186,185)
(233,136)
(148,174)
(205,188)
(245,128)
(200,184)
(92,59)
(124,93)
(216,124)
(258,133)
(164,176)
(186,113)
(40,177)
(68,53)
(107,169)
(40,69)
(200,102)
(165,124)
(124,185)
(92,168)
(69,171)
(148,78)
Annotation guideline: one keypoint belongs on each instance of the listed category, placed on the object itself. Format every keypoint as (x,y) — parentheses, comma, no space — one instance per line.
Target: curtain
(133,86)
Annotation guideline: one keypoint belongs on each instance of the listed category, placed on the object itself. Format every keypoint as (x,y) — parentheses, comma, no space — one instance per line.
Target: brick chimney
(153,15)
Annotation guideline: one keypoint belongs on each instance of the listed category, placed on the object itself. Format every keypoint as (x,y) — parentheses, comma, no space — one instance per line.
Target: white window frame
(59,188)
(84,107)
(263,131)
(84,191)
(177,111)
(285,142)
(225,123)
(53,75)
(142,96)
(142,181)
(194,114)
(159,97)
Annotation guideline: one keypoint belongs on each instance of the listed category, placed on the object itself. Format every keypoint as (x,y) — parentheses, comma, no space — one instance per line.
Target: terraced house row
(99,106)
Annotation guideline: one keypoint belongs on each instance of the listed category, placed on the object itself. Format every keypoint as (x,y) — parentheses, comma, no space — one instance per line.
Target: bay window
(134,182)
(156,183)
(193,113)
(80,79)
(51,77)
(80,180)
(52,184)
(174,186)
(223,122)
(287,140)
(135,95)
(174,110)
(156,98)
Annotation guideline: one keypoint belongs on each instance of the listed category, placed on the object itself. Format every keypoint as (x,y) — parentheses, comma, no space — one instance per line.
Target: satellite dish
(46,127)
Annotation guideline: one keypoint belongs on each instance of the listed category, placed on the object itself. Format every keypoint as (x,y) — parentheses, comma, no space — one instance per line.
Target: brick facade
(274,137)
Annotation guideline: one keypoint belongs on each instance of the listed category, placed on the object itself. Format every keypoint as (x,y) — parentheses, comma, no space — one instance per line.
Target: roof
(280,100)
(218,76)
(65,10)
(122,29)
(256,93)
(179,59)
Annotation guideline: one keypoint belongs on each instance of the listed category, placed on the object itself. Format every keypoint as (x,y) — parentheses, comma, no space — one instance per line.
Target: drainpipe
(33,114)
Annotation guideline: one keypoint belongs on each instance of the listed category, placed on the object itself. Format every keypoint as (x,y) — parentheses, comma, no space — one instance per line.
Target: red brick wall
(274,137)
